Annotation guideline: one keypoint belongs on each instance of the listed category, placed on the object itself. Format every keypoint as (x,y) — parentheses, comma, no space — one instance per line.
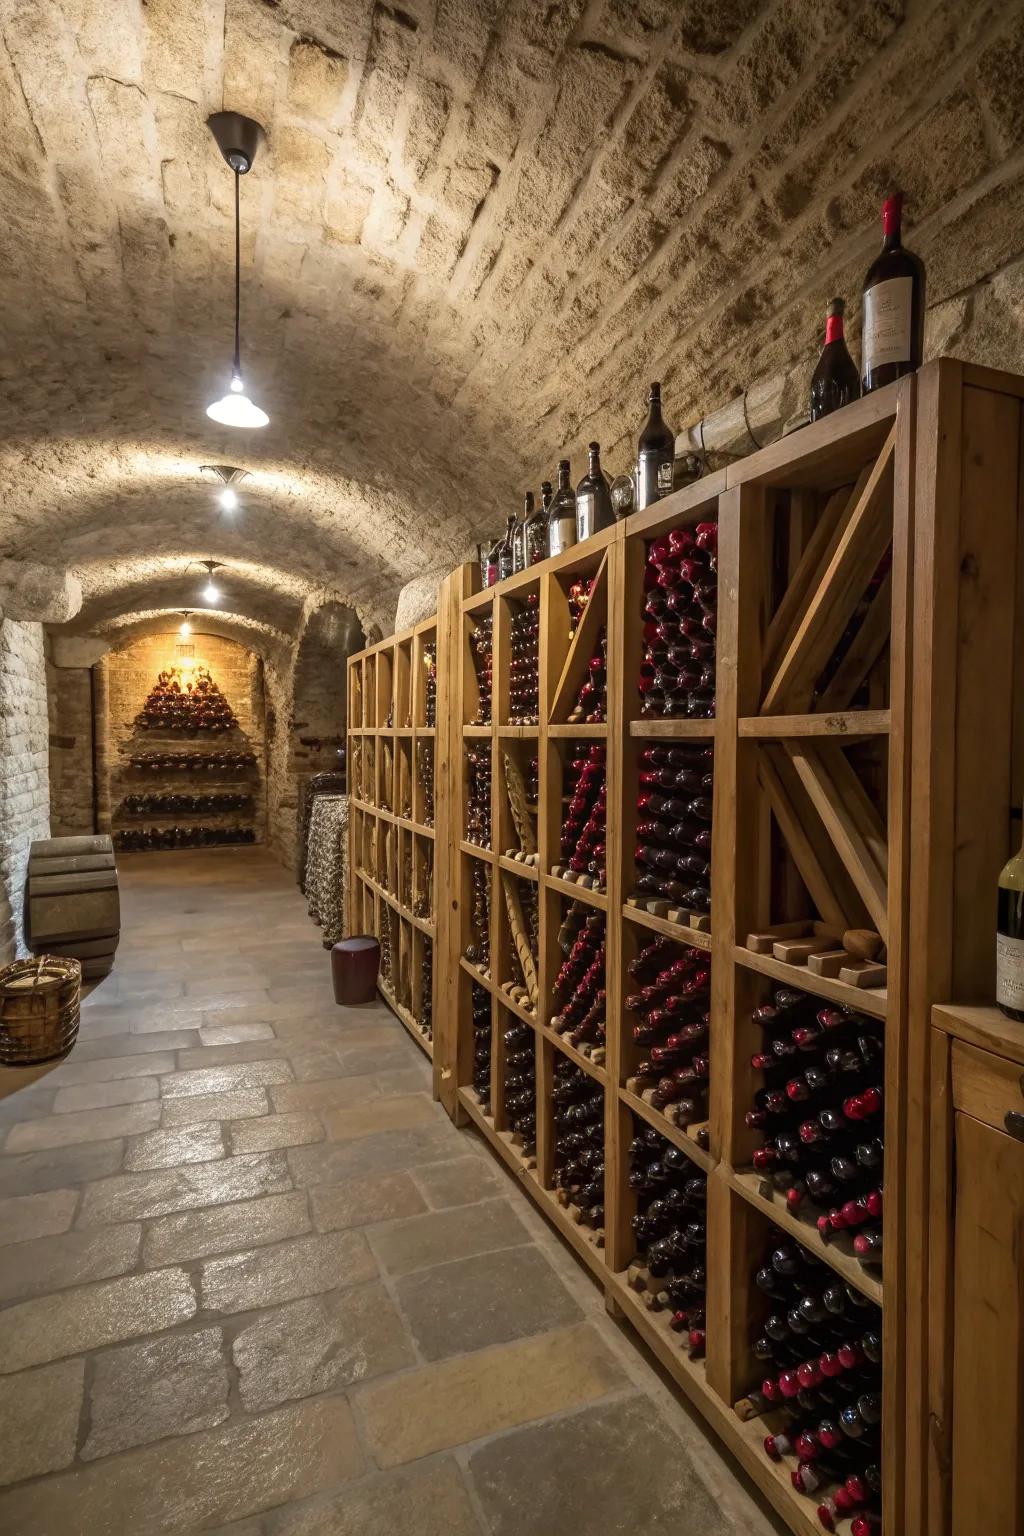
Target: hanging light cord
(238,283)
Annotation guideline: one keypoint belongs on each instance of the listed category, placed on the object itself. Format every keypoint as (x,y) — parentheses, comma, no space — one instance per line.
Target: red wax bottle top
(827,1514)
(892,211)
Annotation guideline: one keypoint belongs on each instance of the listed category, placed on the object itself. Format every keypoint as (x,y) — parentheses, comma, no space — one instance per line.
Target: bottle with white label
(593,498)
(892,335)
(1010,938)
(655,455)
(562,513)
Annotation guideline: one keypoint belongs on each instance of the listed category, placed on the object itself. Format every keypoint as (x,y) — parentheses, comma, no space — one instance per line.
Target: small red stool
(354,966)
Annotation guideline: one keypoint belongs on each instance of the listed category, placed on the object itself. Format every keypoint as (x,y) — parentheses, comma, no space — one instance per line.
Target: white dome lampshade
(236,409)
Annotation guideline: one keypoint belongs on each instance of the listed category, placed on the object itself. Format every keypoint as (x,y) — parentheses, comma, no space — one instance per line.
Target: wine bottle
(593,498)
(506,549)
(835,381)
(1010,938)
(655,455)
(535,532)
(520,559)
(892,339)
(562,513)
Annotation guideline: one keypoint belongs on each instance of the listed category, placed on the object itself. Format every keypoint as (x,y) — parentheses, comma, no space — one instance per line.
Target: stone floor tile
(430,1501)
(249,1074)
(357,1202)
(232,1055)
(480,1394)
(25,1103)
(39,1412)
(108,1069)
(389,1152)
(71,1322)
(319,1344)
(129,1090)
(303,1266)
(83,1125)
(618,1462)
(459,1183)
(132,1196)
(236,1104)
(403,1114)
(335,1093)
(245,1031)
(190,1235)
(313,1066)
(141,1392)
(410,1079)
(68,1258)
(23,1217)
(490,1299)
(228,974)
(134,1045)
(296,1130)
(373,1058)
(195,1482)
(169,1148)
(420,1242)
(33,1172)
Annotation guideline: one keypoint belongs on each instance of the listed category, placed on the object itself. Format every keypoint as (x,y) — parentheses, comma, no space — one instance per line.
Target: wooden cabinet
(988,1329)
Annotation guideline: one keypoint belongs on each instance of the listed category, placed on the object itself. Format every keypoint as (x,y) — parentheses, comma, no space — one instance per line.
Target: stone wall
(24,785)
(130,675)
(72,786)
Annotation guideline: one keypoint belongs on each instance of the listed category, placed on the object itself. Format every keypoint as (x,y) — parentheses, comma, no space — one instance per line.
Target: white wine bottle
(1010,938)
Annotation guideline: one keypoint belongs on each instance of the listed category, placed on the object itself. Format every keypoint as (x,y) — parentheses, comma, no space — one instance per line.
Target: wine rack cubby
(777,654)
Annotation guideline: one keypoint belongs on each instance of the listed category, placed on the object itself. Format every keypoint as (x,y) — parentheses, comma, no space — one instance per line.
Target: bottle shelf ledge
(695,937)
(837,1257)
(681,730)
(851,723)
(871,1000)
(591,1068)
(673,1133)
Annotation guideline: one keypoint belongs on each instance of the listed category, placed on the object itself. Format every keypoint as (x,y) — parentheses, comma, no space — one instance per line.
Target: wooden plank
(851,725)
(582,647)
(826,453)
(810,858)
(865,537)
(844,827)
(735,1244)
(807,577)
(867,646)
(873,1001)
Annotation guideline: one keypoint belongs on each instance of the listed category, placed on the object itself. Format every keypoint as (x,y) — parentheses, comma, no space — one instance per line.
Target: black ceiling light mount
(238,138)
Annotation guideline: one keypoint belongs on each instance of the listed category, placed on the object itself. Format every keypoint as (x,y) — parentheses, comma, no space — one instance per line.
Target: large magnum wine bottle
(655,455)
(562,513)
(593,498)
(1010,938)
(892,339)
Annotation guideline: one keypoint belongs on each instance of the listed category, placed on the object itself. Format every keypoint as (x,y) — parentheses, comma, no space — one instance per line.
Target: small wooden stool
(354,966)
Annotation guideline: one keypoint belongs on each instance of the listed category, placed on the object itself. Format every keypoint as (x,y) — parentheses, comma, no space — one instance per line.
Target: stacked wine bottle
(480,645)
(481,1009)
(677,675)
(578,597)
(820,1349)
(670,1009)
(524,632)
(516,981)
(673,832)
(478,794)
(669,1230)
(591,703)
(425,770)
(821,1112)
(521,1086)
(583,823)
(579,1143)
(430,691)
(578,1002)
(145,839)
(426,1018)
(221,763)
(478,950)
(181,701)
(169,804)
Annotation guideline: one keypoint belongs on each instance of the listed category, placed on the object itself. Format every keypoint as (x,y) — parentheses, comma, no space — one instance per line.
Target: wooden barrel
(72,907)
(39,1009)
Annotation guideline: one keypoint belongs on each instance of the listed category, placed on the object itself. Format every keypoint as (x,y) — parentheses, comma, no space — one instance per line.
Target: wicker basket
(39,1009)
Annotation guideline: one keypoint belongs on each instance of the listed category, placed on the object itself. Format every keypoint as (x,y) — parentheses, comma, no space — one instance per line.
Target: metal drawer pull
(1014,1123)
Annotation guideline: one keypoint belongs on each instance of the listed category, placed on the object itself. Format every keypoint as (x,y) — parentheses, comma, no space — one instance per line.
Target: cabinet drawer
(988,1088)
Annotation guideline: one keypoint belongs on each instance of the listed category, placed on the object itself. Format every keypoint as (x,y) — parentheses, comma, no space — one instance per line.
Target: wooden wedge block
(864,943)
(795,951)
(761,943)
(863,974)
(827,962)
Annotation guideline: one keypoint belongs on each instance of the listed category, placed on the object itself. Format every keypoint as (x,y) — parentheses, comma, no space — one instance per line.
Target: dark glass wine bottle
(655,455)
(506,550)
(835,381)
(519,550)
(562,513)
(593,498)
(892,339)
(535,532)
(1010,938)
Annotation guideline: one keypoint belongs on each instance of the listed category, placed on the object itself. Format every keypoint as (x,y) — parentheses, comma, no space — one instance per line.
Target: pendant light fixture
(229,476)
(238,139)
(185,628)
(211,592)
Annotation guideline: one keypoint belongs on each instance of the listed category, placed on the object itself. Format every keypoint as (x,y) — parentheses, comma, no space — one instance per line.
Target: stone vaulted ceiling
(476,229)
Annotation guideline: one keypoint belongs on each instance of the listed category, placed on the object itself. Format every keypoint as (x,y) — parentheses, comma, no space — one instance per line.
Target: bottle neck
(834,329)
(563,479)
(595,463)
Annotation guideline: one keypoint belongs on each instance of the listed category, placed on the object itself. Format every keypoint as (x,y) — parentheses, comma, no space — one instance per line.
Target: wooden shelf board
(406,1018)
(872,1000)
(560,1043)
(518,732)
(516,867)
(477,732)
(851,723)
(680,730)
(426,730)
(419,827)
(983,1025)
(579,557)
(835,1256)
(673,1133)
(474,849)
(574,1234)
(584,731)
(513,1007)
(575,892)
(478,976)
(679,931)
(691,504)
(744,1440)
(825,453)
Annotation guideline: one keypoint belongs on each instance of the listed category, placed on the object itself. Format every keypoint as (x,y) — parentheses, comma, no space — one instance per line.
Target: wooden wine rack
(811,820)
(392,833)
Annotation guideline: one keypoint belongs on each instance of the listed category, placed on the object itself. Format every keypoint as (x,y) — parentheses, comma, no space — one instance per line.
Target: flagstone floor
(253,1280)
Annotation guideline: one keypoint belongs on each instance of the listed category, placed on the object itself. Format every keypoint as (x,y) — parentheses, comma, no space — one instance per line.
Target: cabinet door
(988,1366)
